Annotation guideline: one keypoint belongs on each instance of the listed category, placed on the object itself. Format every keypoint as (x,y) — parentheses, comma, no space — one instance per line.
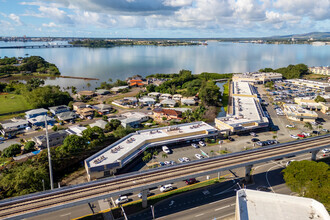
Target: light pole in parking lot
(220,143)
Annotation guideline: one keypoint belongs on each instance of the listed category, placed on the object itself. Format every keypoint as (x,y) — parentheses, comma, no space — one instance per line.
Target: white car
(325,150)
(166,149)
(289,126)
(186,159)
(167,162)
(194,145)
(201,143)
(198,156)
(288,163)
(294,136)
(306,134)
(253,134)
(121,200)
(166,188)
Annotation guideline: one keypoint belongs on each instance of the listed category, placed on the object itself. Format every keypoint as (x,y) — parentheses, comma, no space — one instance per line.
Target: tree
(147,156)
(23,178)
(308,125)
(93,133)
(210,94)
(309,179)
(72,144)
(54,128)
(319,99)
(121,132)
(35,83)
(12,150)
(164,155)
(164,118)
(29,147)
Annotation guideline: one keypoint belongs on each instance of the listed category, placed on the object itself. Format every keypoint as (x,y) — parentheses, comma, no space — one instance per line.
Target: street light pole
(49,157)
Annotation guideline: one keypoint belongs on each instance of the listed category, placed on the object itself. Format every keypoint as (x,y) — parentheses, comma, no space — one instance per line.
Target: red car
(301,135)
(191,181)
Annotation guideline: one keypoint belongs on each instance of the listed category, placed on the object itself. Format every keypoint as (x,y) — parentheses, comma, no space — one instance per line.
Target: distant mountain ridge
(314,35)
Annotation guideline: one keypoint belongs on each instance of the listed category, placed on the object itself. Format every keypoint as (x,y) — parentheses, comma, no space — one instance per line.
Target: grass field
(13,103)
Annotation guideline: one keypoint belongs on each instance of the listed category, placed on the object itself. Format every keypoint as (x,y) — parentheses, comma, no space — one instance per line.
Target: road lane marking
(199,215)
(233,204)
(66,214)
(221,217)
(193,208)
(223,207)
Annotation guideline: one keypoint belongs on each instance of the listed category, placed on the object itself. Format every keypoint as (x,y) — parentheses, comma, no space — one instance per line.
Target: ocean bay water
(125,61)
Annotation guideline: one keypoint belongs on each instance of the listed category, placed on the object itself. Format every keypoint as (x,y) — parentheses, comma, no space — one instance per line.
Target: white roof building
(168,102)
(257,205)
(99,123)
(75,130)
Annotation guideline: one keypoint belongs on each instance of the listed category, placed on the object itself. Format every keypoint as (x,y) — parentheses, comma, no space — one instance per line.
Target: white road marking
(223,207)
(199,215)
(194,208)
(221,217)
(206,192)
(65,214)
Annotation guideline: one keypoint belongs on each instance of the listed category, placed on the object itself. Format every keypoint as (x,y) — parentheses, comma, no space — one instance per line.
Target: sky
(162,18)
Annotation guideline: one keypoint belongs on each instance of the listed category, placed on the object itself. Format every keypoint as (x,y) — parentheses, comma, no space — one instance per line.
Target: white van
(166,188)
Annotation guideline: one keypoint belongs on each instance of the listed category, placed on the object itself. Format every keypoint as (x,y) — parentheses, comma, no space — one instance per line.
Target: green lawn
(225,96)
(13,103)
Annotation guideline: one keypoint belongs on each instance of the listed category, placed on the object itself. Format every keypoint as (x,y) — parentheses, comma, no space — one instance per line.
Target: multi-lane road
(152,178)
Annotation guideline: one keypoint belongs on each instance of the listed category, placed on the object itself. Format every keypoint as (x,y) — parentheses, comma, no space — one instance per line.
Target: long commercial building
(107,161)
(257,77)
(310,84)
(296,113)
(245,112)
(323,70)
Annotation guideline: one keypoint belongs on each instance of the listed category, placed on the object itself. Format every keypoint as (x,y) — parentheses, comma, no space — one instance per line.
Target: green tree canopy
(29,146)
(93,133)
(210,94)
(309,179)
(72,144)
(12,150)
(289,72)
(319,99)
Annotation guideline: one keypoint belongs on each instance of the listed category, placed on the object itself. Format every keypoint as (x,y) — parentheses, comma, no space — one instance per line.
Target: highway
(38,203)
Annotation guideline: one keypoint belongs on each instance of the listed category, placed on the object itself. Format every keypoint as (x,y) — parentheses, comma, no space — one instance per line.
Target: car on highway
(198,156)
(289,162)
(290,126)
(185,159)
(325,150)
(301,135)
(181,160)
(255,140)
(166,149)
(121,200)
(201,143)
(166,188)
(190,181)
(148,194)
(194,145)
(294,136)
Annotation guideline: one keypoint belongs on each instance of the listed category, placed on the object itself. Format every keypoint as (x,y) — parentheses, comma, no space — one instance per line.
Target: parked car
(194,145)
(253,134)
(325,150)
(290,126)
(172,162)
(166,149)
(325,130)
(255,140)
(294,136)
(148,194)
(2,139)
(167,163)
(306,134)
(166,188)
(121,200)
(162,163)
(181,160)
(316,132)
(191,181)
(185,159)
(260,143)
(301,135)
(201,143)
(198,156)
(231,139)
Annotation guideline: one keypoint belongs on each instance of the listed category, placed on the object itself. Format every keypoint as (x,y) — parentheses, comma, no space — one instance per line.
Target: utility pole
(49,157)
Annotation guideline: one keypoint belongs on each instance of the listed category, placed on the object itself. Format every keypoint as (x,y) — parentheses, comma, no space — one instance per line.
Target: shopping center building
(117,155)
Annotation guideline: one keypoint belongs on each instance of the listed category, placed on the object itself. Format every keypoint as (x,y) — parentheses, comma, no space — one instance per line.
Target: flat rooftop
(258,75)
(243,88)
(129,144)
(296,109)
(259,205)
(312,83)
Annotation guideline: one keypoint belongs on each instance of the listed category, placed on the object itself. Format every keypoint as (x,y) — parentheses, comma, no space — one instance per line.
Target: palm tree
(88,85)
(308,125)
(164,155)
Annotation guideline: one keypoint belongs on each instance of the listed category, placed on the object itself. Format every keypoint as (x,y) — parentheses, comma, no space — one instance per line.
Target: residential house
(133,119)
(165,96)
(147,100)
(118,89)
(55,139)
(79,105)
(35,112)
(168,103)
(154,94)
(169,114)
(85,113)
(66,116)
(129,101)
(177,97)
(136,82)
(188,101)
(99,123)
(141,116)
(102,92)
(103,109)
(40,121)
(12,128)
(85,94)
(75,130)
(59,109)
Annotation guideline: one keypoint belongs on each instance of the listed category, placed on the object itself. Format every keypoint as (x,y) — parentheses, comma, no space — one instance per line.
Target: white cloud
(50,24)
(178,3)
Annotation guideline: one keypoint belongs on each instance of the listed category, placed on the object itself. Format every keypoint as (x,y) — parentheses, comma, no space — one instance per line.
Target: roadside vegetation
(26,66)
(309,179)
(290,72)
